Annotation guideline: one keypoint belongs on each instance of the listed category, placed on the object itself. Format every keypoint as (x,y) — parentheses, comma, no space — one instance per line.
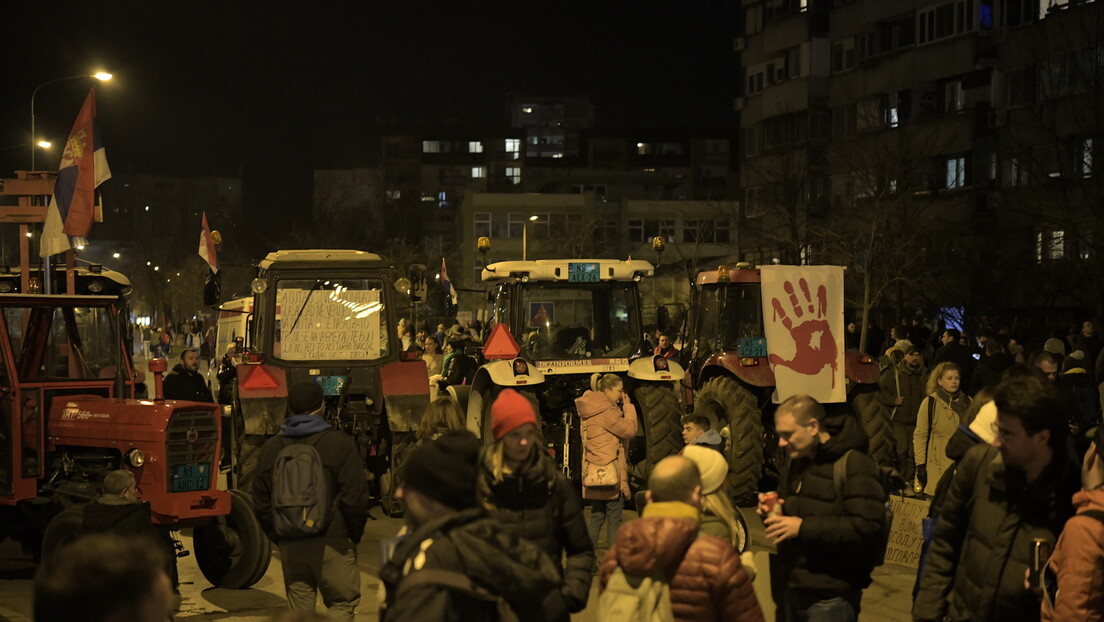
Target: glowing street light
(45,144)
(102,76)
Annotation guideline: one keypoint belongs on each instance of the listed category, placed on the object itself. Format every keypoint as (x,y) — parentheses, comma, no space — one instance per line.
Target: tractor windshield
(576,322)
(330,319)
(53,342)
(743,314)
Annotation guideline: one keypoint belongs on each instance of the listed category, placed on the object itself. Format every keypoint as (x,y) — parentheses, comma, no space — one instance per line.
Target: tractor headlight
(135,457)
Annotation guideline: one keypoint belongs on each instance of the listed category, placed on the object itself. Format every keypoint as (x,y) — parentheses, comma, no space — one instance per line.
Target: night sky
(236,87)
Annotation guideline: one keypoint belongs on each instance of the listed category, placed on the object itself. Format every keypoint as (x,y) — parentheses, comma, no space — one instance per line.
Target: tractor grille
(190,458)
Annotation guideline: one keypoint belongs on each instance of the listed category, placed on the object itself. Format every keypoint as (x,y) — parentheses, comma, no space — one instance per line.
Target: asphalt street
(888,599)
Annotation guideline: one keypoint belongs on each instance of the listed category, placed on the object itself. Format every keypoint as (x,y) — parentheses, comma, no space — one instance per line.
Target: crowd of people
(1002,442)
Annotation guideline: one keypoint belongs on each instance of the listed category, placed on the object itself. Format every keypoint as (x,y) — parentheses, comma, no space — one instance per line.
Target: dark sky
(204,87)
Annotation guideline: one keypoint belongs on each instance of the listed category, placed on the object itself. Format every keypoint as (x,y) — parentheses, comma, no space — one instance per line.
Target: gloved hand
(922,475)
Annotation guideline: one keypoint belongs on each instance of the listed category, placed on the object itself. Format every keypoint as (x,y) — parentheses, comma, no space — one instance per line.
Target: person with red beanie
(523,487)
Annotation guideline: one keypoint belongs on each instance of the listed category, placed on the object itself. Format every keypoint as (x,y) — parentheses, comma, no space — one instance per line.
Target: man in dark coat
(827,539)
(901,391)
(326,562)
(185,382)
(954,352)
(1001,498)
(449,533)
(989,369)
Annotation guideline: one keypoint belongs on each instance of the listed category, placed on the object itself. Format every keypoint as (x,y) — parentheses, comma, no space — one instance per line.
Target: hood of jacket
(516,569)
(1089,499)
(709,437)
(591,403)
(961,442)
(846,433)
(653,543)
(298,426)
(180,369)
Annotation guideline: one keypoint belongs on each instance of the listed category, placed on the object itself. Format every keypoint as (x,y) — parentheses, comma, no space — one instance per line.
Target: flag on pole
(83,168)
(207,246)
(446,284)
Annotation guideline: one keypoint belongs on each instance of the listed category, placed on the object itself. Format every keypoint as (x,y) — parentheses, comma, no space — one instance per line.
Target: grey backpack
(302,503)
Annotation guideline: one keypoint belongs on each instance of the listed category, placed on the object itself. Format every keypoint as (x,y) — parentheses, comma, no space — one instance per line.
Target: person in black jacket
(524,488)
(992,365)
(826,538)
(119,511)
(458,368)
(325,563)
(450,534)
(954,352)
(185,382)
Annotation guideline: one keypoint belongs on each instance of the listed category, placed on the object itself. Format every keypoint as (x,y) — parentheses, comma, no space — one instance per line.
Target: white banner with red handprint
(803,324)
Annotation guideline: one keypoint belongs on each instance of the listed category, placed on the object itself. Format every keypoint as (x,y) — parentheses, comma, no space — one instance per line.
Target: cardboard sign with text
(906,536)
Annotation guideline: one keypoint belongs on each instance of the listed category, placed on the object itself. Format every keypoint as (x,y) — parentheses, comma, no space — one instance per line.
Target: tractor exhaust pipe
(157,367)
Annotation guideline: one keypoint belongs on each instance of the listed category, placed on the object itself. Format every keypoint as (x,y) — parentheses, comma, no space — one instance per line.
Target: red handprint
(815,346)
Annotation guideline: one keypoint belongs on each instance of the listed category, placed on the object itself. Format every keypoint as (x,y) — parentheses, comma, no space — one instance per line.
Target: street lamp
(525,238)
(102,76)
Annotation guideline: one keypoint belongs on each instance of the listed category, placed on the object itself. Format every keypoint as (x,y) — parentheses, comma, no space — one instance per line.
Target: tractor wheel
(732,409)
(232,552)
(662,420)
(875,421)
(60,531)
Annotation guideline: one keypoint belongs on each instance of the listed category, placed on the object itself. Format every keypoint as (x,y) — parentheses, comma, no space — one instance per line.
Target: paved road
(889,599)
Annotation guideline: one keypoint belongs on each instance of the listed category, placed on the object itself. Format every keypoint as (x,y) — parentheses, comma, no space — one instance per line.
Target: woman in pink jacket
(609,421)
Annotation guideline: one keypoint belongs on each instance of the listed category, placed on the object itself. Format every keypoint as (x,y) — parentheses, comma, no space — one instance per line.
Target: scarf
(958,402)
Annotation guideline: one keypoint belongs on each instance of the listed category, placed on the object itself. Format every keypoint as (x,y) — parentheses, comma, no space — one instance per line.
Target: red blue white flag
(446,284)
(207,246)
(83,168)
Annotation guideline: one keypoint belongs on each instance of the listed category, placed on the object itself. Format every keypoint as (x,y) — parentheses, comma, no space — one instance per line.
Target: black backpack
(459,583)
(888,479)
(302,502)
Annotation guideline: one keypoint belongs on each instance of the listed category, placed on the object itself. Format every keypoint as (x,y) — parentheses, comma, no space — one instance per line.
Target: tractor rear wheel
(60,531)
(661,417)
(733,411)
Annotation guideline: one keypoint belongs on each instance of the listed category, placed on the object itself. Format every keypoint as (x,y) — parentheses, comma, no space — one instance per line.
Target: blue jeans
(803,606)
(600,513)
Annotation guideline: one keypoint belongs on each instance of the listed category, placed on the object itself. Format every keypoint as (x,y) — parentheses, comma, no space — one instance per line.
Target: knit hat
(444,469)
(304,396)
(1055,346)
(711,464)
(982,425)
(510,411)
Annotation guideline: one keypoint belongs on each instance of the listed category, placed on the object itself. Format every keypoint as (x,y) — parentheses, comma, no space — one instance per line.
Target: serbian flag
(83,168)
(446,284)
(207,246)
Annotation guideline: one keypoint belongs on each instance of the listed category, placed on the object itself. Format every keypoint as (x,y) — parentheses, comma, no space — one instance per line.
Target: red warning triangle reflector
(258,378)
(501,344)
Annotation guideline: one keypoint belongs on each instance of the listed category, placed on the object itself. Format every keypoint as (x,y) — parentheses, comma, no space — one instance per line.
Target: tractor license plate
(332,385)
(582,273)
(753,347)
(191,477)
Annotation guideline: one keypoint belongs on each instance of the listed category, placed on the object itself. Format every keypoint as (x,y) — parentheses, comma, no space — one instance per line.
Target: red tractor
(68,417)
(731,382)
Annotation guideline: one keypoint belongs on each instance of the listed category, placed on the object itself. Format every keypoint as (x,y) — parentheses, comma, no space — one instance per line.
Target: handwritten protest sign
(341,324)
(906,535)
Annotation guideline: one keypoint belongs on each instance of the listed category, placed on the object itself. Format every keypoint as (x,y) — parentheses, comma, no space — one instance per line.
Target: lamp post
(525,238)
(101,76)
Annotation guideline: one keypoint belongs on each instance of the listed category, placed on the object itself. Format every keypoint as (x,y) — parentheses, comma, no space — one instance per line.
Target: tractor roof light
(258,286)
(722,274)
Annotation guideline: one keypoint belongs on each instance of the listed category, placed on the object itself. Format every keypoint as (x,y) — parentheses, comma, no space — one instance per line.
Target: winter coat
(1078,561)
(710,439)
(458,368)
(539,504)
(838,531)
(981,547)
(932,450)
(227,374)
(903,381)
(607,430)
(185,384)
(344,474)
(471,543)
(989,371)
(703,571)
(960,443)
(1080,393)
(114,514)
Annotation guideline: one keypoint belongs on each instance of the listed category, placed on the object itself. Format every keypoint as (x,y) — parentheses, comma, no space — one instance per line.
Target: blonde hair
(718,505)
(605,382)
(937,373)
(442,414)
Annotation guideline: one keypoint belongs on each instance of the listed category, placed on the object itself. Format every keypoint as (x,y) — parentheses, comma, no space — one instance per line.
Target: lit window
(478,172)
(1085,158)
(394,194)
(513,145)
(513,174)
(1050,245)
(475,146)
(432,146)
(956,172)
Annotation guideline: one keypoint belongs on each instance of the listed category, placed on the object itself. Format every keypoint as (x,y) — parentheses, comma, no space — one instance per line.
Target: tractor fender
(405,387)
(656,368)
(501,373)
(860,368)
